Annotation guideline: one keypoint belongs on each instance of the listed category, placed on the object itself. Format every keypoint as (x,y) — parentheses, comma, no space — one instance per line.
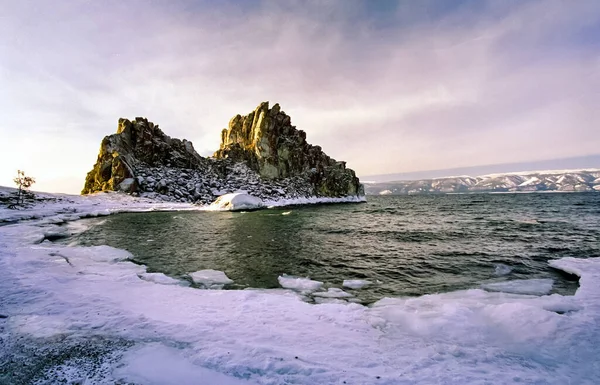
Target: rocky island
(261,154)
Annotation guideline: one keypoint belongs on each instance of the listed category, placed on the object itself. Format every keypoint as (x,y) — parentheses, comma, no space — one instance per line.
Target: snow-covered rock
(236,202)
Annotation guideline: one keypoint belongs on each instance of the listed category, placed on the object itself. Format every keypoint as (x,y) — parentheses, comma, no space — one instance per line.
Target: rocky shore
(260,154)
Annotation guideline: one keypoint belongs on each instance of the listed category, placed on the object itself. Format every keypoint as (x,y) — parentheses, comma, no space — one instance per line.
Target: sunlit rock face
(137,143)
(261,154)
(266,140)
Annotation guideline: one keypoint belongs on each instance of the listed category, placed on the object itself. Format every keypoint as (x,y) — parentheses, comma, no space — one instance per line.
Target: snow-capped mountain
(552,180)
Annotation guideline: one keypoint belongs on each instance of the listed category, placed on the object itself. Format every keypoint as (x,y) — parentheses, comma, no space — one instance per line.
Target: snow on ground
(162,279)
(60,208)
(210,279)
(156,364)
(522,286)
(84,314)
(355,283)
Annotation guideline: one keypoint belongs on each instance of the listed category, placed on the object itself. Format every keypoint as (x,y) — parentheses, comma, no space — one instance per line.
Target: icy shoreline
(72,207)
(54,295)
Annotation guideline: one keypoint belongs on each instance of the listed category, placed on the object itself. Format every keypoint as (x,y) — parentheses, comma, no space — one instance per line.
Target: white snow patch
(530,181)
(356,283)
(299,283)
(522,286)
(156,364)
(210,279)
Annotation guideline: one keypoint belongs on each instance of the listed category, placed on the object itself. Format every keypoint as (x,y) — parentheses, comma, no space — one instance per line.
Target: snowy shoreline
(55,294)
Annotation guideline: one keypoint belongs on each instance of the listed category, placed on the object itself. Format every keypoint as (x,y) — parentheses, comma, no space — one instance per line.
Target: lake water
(405,245)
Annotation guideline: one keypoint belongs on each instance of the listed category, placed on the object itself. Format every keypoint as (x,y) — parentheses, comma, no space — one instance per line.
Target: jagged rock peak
(267,141)
(137,142)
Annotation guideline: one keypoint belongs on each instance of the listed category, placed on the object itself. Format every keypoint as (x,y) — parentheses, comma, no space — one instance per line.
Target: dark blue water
(408,245)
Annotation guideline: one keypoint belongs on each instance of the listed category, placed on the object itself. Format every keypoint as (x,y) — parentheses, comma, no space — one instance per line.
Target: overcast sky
(388,86)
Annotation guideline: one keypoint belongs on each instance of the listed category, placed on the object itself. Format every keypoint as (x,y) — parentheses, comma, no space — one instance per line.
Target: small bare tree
(23,182)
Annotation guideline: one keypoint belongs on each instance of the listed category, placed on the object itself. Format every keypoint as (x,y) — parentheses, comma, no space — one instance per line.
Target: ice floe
(502,269)
(299,283)
(332,292)
(522,286)
(356,283)
(326,300)
(210,279)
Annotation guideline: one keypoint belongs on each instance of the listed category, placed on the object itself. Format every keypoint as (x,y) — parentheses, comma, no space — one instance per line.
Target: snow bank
(236,202)
(210,279)
(161,279)
(61,208)
(522,286)
(356,283)
(299,283)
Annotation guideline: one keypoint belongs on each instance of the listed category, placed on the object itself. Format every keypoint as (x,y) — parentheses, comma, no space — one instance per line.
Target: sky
(388,86)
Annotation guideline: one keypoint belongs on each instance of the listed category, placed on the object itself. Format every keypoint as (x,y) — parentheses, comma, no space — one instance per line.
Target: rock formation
(272,147)
(261,153)
(136,143)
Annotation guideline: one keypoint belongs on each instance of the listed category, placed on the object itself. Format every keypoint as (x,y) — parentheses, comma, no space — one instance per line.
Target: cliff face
(261,153)
(271,146)
(136,143)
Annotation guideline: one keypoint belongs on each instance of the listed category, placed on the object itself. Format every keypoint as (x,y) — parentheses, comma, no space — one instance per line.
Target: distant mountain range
(527,181)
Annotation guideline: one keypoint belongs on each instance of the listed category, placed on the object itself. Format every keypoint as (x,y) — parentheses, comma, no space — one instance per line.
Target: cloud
(387,86)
